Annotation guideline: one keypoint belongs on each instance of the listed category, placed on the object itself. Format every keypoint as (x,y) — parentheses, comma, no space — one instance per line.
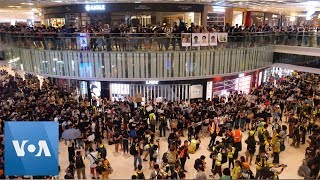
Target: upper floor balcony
(156,41)
(139,57)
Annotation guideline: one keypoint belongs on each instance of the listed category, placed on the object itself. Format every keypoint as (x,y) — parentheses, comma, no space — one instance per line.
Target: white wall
(12,16)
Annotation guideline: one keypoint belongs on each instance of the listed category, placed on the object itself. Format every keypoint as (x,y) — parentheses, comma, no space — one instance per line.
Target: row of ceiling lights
(219,2)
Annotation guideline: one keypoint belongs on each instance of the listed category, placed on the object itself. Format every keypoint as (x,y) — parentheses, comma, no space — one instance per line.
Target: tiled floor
(123,166)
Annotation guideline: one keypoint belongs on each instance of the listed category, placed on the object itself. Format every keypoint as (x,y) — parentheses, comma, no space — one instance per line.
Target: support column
(89,92)
(204,15)
(229,16)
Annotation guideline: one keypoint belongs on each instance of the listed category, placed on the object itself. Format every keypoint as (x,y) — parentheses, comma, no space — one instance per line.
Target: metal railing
(151,41)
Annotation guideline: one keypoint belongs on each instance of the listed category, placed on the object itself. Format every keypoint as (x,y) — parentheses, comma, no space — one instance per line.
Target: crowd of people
(269,115)
(160,37)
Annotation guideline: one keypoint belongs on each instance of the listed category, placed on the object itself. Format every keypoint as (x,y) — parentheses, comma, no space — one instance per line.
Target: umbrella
(71,134)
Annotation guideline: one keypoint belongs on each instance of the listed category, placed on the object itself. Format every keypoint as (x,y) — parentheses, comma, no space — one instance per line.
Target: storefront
(144,91)
(254,18)
(158,91)
(55,22)
(272,20)
(273,74)
(151,90)
(244,82)
(123,13)
(262,18)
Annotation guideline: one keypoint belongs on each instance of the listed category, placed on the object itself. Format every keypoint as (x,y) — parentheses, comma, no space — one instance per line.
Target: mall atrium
(171,89)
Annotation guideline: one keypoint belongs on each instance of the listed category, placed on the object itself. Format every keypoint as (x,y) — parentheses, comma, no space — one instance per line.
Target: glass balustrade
(156,42)
(158,65)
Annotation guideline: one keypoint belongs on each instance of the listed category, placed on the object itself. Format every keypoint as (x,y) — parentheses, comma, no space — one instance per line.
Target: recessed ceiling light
(13,6)
(29,4)
(58,1)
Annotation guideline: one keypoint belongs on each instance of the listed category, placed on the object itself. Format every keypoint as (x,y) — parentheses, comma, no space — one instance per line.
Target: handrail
(151,41)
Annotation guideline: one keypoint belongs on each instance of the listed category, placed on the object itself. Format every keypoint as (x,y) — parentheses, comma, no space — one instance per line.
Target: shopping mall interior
(146,89)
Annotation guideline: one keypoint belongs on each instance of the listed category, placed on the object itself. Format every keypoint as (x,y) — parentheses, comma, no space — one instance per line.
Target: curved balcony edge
(139,66)
(141,80)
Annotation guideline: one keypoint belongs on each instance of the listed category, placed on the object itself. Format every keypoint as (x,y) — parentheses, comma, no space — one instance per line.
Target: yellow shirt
(276,147)
(235,171)
(230,153)
(274,138)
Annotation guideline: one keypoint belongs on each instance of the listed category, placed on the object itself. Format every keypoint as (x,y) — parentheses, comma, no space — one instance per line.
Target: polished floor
(123,165)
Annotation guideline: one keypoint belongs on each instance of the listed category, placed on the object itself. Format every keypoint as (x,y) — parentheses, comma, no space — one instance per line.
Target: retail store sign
(209,90)
(196,91)
(152,82)
(95,7)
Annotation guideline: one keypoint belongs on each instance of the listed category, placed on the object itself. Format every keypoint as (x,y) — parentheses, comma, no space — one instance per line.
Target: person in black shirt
(125,140)
(117,137)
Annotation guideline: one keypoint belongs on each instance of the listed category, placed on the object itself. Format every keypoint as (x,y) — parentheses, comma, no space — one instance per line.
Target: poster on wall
(83,40)
(204,39)
(209,90)
(186,39)
(196,39)
(222,37)
(213,39)
(95,89)
(196,91)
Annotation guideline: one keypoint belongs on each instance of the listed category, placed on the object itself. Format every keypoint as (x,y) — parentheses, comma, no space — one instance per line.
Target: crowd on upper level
(159,29)
(163,37)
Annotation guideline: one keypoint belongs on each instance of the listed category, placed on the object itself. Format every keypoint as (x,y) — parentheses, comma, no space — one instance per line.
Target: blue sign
(31,148)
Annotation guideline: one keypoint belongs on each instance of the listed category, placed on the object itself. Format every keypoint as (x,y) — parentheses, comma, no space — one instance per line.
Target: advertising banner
(196,91)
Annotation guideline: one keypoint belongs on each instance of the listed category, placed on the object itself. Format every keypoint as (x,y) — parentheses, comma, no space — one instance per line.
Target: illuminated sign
(96,7)
(152,82)
(196,91)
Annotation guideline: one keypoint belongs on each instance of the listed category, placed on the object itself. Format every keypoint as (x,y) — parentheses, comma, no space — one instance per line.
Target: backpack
(133,150)
(153,119)
(140,175)
(304,170)
(197,162)
(262,147)
(163,121)
(237,136)
(103,152)
(224,158)
(282,146)
(79,162)
(251,145)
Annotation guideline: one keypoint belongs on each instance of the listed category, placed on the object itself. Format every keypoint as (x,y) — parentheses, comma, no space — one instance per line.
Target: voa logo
(41,148)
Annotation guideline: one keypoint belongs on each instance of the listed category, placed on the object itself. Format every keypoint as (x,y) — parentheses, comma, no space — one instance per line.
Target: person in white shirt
(93,127)
(92,156)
